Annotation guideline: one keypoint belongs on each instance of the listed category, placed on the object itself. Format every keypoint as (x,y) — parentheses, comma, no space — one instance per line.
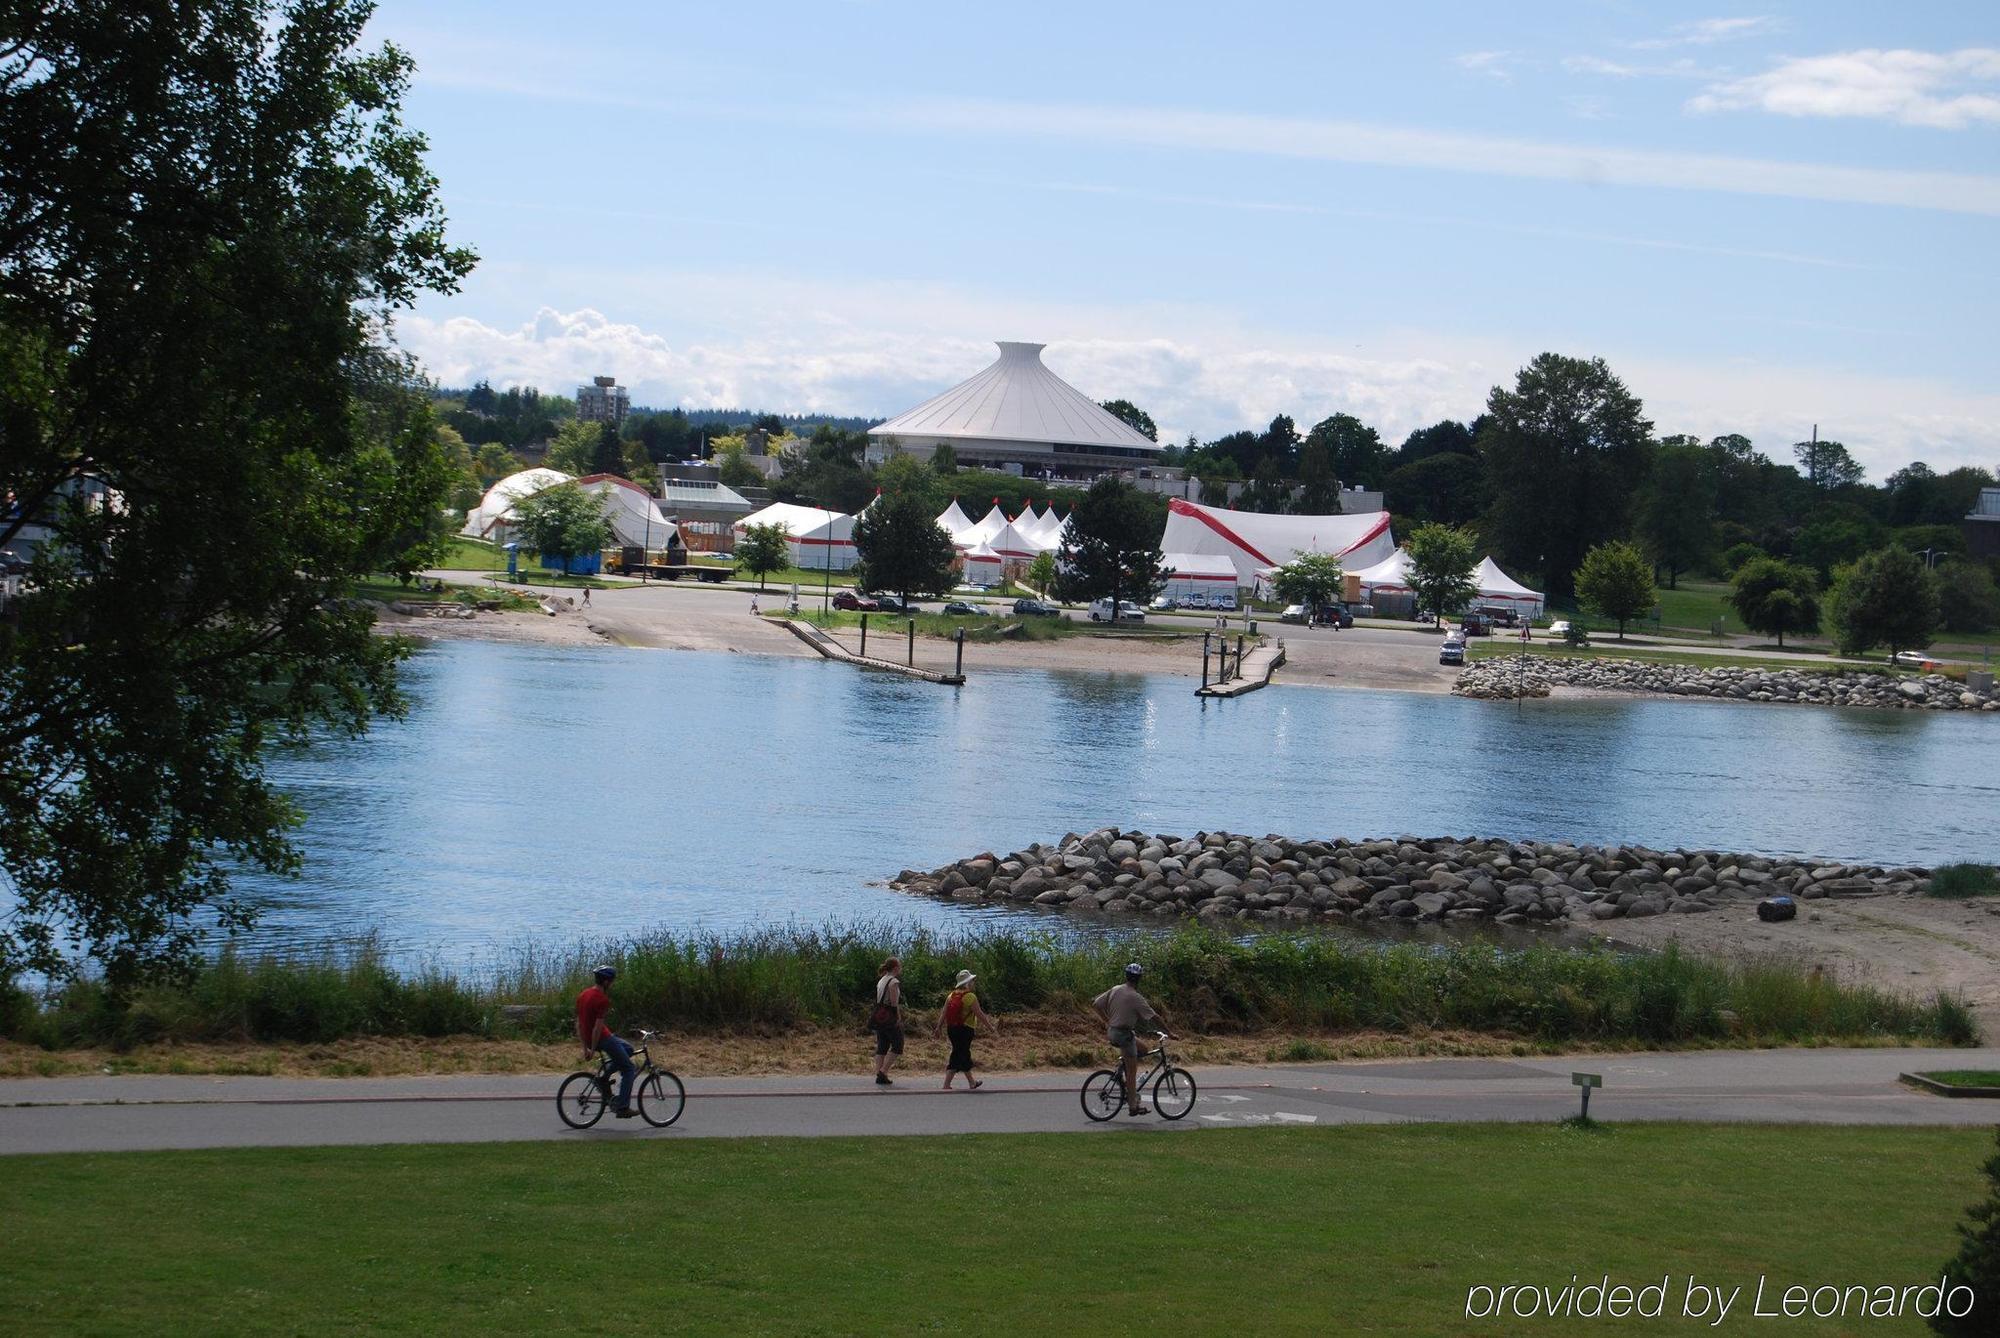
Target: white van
(1128,612)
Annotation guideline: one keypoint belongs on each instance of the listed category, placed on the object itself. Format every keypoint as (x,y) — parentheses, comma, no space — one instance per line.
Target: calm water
(553,795)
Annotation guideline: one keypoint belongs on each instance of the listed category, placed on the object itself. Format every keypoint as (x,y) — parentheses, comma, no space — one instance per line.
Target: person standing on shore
(956,1022)
(591,1007)
(886,1021)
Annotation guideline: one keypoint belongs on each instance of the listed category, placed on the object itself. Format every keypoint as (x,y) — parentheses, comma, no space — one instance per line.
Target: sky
(1762,218)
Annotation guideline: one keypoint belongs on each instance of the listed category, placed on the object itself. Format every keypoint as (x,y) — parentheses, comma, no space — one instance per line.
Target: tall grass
(1956,881)
(1207,982)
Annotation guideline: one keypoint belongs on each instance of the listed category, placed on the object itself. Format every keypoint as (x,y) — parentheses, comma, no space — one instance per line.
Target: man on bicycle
(591,1006)
(1123,1008)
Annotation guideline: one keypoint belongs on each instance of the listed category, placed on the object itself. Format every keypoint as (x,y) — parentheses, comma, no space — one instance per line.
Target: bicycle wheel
(661,1098)
(1103,1094)
(580,1100)
(1173,1093)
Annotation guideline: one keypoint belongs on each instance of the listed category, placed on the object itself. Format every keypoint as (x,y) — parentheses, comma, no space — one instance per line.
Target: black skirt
(961,1050)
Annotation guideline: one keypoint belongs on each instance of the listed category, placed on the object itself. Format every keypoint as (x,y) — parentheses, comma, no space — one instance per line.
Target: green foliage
(1041,572)
(607,453)
(1776,597)
(494,462)
(1566,451)
(1889,599)
(902,547)
(1442,561)
(573,449)
(1977,1264)
(763,549)
(213,209)
(1616,581)
(1837,534)
(1311,579)
(1358,457)
(1827,465)
(1110,546)
(826,471)
(1676,512)
(944,460)
(1132,415)
(1445,488)
(563,522)
(905,474)
(1967,598)
(733,465)
(1956,881)
(1738,554)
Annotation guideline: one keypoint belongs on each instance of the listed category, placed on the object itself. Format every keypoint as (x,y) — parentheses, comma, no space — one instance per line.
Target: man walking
(591,1007)
(1122,1009)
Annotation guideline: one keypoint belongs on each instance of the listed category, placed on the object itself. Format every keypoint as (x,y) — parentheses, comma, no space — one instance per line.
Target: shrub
(1964,880)
(1977,1264)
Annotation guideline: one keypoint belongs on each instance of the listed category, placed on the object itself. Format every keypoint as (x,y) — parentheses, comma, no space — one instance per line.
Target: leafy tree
(1319,485)
(1279,444)
(1268,492)
(1776,597)
(1445,487)
(1138,419)
(764,549)
(1442,561)
(1676,516)
(573,450)
(1967,598)
(826,471)
(1110,547)
(768,423)
(1042,571)
(1738,554)
(493,462)
(1311,579)
(1360,460)
(1616,581)
(902,547)
(1888,598)
(1566,451)
(1244,449)
(1977,1263)
(944,460)
(905,473)
(209,213)
(563,522)
(733,467)
(607,454)
(1839,534)
(1827,465)
(1447,437)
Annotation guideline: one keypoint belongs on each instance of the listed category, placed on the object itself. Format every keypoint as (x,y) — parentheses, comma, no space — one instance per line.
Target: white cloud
(876,349)
(1681,68)
(1496,64)
(1707,32)
(1942,90)
(1393,146)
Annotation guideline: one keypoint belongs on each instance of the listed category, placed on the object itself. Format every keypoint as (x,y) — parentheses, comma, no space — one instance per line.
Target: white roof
(634,517)
(1392,570)
(1253,540)
(497,505)
(954,520)
(701,495)
(1009,542)
(801,522)
(1198,567)
(1015,399)
(1496,584)
(988,525)
(981,553)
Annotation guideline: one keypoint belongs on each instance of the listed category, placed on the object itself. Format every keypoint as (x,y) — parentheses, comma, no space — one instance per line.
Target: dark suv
(1035,608)
(1476,624)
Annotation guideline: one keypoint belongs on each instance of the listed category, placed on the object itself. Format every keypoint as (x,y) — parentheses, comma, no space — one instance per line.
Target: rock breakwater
(1511,676)
(1225,876)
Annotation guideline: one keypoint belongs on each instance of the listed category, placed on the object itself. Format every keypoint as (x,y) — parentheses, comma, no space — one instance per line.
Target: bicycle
(585,1096)
(1173,1088)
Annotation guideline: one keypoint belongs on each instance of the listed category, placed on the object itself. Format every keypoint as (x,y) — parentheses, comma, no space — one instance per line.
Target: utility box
(1979,680)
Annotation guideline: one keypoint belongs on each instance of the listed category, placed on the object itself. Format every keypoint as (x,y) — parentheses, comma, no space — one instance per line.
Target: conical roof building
(1017,412)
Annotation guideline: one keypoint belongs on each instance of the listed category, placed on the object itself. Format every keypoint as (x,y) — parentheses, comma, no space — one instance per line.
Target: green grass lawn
(1963,1077)
(463,554)
(1358,1229)
(1697,605)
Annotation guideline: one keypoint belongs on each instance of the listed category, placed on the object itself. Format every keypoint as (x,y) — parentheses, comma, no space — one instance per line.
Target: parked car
(1913,659)
(1294,613)
(1128,612)
(1501,615)
(1164,604)
(958,608)
(1476,624)
(1559,628)
(895,604)
(1036,608)
(847,599)
(1333,615)
(1451,652)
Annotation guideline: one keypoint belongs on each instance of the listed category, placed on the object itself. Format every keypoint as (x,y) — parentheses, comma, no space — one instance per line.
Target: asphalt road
(103,1114)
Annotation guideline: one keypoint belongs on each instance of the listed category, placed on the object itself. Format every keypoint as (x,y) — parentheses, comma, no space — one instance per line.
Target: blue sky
(1762,218)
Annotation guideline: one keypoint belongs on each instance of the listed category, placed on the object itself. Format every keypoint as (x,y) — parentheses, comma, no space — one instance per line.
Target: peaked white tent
(1391,573)
(820,539)
(1198,576)
(1497,587)
(989,524)
(1012,545)
(1044,529)
(983,566)
(1254,541)
(636,520)
(954,522)
(1017,411)
(496,508)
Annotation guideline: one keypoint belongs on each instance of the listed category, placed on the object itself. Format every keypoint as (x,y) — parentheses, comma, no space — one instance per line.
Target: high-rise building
(602,401)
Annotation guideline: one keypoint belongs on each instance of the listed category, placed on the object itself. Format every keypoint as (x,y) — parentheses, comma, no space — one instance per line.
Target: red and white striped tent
(1253,541)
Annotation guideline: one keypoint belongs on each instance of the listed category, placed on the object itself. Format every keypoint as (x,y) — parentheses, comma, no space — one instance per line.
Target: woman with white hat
(961,1011)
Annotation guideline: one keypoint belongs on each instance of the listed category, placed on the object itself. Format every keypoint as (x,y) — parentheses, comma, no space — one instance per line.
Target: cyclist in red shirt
(591,1006)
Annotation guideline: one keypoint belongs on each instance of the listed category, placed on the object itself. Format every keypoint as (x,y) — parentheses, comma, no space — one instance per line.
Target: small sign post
(1587,1081)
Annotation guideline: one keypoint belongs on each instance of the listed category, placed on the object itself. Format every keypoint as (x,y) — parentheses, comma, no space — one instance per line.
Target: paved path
(1776,1086)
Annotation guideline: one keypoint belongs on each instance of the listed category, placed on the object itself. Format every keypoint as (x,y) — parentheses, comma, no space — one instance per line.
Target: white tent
(635,518)
(1391,573)
(1196,576)
(496,508)
(1045,529)
(989,524)
(1012,545)
(983,566)
(1253,540)
(954,521)
(1497,587)
(820,539)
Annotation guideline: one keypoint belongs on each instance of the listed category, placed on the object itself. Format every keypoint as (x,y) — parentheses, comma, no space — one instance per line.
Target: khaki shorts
(1125,1040)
